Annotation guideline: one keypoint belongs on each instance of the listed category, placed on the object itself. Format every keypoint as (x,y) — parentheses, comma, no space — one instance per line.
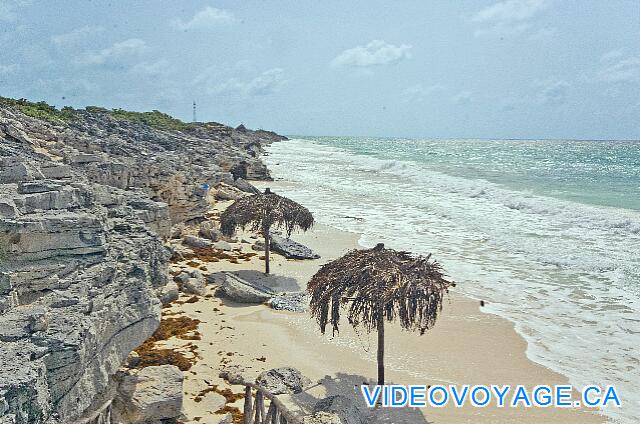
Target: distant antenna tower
(194,111)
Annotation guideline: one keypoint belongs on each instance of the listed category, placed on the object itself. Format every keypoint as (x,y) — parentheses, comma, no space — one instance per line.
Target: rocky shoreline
(86,205)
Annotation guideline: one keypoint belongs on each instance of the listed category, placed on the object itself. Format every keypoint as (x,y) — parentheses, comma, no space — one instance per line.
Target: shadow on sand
(349,385)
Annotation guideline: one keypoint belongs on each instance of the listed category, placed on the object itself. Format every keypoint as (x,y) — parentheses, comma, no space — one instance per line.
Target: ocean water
(546,232)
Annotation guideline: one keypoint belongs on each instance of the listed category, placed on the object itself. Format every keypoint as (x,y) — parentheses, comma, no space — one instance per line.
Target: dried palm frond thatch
(262,212)
(375,285)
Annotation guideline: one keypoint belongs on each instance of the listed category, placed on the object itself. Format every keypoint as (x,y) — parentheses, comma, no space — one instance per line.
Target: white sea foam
(567,274)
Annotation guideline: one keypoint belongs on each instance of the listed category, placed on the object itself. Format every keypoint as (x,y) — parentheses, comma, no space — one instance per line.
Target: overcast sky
(479,69)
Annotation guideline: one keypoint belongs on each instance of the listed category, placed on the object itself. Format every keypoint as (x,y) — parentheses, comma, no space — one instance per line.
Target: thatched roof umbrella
(261,212)
(378,284)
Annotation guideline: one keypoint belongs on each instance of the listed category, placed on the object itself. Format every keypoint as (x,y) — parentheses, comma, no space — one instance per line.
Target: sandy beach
(466,346)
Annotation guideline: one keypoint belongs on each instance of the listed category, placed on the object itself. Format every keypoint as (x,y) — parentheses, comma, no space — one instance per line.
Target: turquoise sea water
(597,172)
(547,232)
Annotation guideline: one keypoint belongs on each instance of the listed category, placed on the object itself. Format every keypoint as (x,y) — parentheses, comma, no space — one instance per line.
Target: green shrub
(44,111)
(40,110)
(154,119)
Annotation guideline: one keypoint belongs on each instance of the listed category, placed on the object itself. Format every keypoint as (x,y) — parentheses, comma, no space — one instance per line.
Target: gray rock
(8,210)
(239,290)
(169,293)
(222,245)
(150,396)
(234,374)
(195,286)
(245,186)
(293,302)
(176,231)
(279,381)
(85,158)
(29,187)
(133,360)
(228,192)
(291,249)
(258,246)
(182,278)
(196,242)
(322,418)
(209,231)
(342,407)
(227,419)
(217,278)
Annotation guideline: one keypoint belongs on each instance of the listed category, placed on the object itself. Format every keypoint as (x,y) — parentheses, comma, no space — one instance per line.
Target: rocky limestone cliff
(85,204)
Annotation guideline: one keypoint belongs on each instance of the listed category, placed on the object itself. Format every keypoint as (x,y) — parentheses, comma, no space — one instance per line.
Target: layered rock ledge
(86,203)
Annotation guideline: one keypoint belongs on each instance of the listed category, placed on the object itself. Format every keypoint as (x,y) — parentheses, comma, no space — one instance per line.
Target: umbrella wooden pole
(267,242)
(381,349)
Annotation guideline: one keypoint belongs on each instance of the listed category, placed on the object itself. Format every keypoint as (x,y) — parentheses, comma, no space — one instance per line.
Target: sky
(395,68)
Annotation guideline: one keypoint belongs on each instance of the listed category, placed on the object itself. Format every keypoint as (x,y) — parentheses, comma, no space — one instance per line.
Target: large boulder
(284,380)
(152,396)
(291,249)
(197,242)
(341,406)
(239,290)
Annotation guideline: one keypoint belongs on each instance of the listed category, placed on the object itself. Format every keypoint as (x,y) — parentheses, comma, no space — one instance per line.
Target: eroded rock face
(84,210)
(77,295)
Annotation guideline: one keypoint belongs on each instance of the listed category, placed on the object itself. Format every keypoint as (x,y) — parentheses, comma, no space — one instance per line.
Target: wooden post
(381,347)
(267,242)
(248,408)
(271,414)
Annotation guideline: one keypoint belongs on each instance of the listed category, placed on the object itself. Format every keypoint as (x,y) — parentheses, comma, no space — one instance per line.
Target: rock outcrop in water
(85,204)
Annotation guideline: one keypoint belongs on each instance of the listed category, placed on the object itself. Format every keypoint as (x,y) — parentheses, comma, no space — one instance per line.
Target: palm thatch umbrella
(378,284)
(261,212)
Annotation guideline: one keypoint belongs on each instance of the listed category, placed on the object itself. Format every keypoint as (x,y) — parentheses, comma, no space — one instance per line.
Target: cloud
(462,98)
(209,17)
(8,9)
(543,34)
(77,36)
(8,69)
(6,13)
(511,10)
(377,52)
(553,92)
(508,17)
(264,84)
(419,93)
(612,55)
(620,68)
(119,51)
(161,67)
(501,29)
